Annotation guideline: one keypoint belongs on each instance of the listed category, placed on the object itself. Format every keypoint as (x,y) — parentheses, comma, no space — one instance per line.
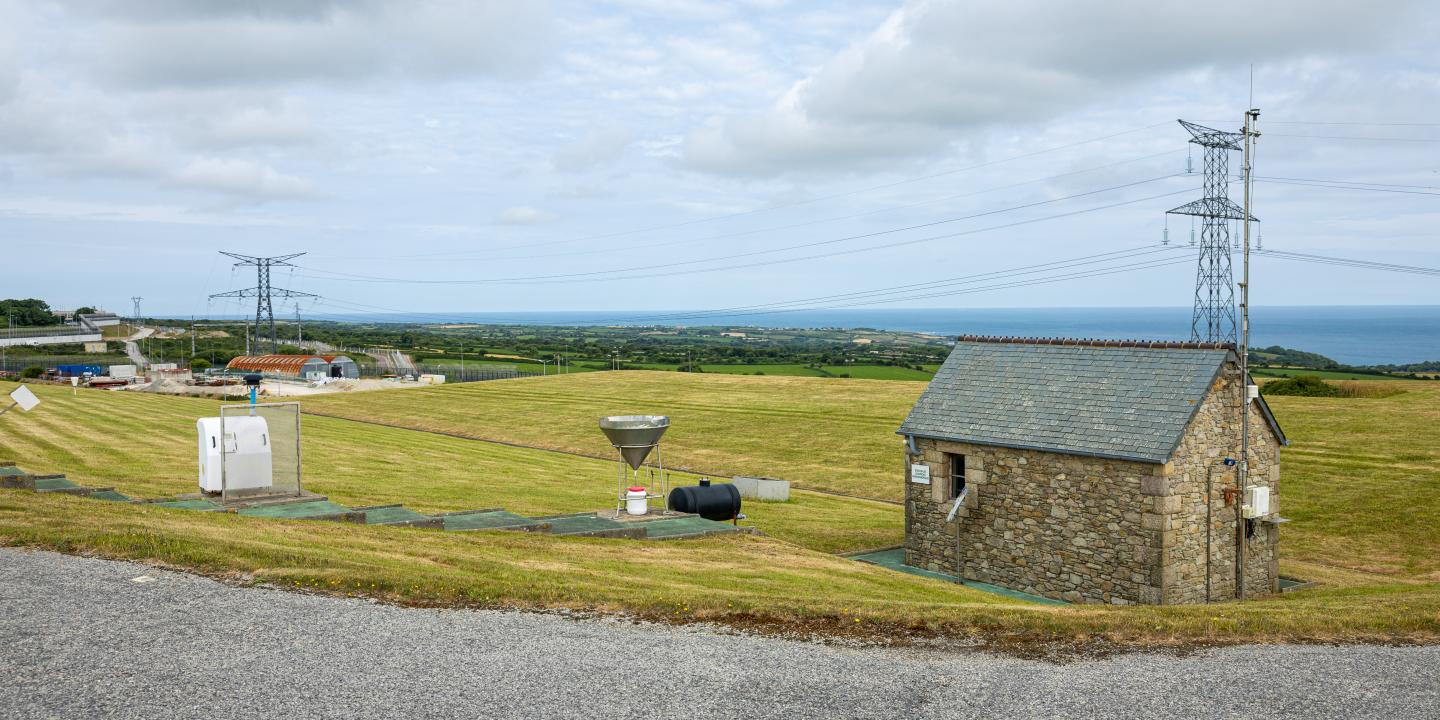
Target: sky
(438,155)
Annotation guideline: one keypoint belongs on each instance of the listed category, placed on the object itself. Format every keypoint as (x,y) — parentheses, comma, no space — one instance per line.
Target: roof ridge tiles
(1097,342)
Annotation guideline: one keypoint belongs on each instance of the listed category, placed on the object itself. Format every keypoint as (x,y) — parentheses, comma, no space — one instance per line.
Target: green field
(144,446)
(1261,372)
(1364,500)
(826,434)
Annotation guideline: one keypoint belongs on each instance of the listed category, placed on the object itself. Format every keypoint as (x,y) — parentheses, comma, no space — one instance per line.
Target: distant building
(1091,471)
(297,366)
(100,319)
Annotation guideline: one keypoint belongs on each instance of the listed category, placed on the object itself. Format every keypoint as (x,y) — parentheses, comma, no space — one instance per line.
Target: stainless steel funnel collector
(634,435)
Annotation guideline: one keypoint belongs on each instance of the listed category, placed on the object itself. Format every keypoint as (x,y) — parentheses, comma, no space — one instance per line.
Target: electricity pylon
(263,292)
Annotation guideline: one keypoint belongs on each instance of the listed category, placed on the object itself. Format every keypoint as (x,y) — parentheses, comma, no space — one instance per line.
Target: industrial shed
(1093,471)
(297,366)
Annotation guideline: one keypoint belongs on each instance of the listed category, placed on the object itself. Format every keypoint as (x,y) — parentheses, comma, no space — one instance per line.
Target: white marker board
(920,473)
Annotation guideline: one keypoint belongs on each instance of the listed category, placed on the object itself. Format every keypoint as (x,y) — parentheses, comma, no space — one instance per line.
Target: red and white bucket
(636,502)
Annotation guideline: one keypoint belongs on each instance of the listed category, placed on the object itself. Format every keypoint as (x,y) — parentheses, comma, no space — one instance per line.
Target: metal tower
(1214,316)
(262,292)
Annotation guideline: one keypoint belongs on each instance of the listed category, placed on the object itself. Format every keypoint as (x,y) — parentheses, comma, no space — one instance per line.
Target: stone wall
(1204,489)
(1087,529)
(1064,526)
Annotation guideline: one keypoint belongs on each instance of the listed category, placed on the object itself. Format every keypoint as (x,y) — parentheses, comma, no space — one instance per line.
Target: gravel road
(83,638)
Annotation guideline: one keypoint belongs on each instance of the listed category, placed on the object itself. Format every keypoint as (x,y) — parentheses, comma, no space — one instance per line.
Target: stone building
(1092,471)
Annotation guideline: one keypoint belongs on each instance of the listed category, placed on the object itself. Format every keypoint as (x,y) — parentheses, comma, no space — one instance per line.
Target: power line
(1355,137)
(1276,181)
(483,255)
(822,198)
(931,284)
(616,274)
(891,294)
(1373,124)
(1351,262)
(263,292)
(1348,182)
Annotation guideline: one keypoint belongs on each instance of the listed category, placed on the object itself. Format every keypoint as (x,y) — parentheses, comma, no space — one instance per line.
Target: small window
(957,474)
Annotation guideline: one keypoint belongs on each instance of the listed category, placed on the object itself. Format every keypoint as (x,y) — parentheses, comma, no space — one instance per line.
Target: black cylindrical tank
(720,501)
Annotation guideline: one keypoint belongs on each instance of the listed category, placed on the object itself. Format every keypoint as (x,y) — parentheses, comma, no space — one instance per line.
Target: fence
(16,363)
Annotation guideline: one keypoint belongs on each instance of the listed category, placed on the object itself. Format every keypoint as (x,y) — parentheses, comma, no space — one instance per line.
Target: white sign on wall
(920,473)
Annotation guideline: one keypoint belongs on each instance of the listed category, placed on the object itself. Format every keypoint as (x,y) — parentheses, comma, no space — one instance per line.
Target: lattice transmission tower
(1214,317)
(263,292)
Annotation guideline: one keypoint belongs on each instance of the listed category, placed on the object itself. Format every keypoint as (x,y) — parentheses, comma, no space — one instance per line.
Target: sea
(1354,335)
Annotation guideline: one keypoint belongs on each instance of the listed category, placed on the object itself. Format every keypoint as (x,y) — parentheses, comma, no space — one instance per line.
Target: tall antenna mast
(263,292)
(1243,480)
(1213,319)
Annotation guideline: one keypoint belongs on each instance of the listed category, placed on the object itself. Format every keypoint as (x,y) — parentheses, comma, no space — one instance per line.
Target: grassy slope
(1361,481)
(822,433)
(1363,496)
(144,445)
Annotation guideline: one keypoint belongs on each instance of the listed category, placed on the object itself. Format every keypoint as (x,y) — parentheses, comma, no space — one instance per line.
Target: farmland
(1363,500)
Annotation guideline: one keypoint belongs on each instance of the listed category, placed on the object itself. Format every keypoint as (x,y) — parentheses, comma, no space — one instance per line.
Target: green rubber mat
(681,527)
(384,516)
(54,483)
(581,524)
(894,559)
(110,495)
(12,471)
(488,521)
(296,510)
(197,504)
(1288,583)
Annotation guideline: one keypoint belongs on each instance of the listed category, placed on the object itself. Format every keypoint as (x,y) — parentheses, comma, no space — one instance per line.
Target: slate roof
(1129,400)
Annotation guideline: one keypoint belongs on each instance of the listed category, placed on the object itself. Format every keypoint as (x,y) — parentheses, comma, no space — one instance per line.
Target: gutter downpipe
(1209,526)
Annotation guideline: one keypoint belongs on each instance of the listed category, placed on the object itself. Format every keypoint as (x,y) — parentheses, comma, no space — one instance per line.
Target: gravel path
(83,638)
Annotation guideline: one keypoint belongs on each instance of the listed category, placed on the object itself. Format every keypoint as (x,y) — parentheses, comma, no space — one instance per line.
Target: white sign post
(920,473)
(22,397)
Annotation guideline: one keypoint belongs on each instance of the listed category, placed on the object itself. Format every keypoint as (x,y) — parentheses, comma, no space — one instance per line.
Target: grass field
(1364,498)
(144,445)
(827,434)
(1322,374)
(1362,473)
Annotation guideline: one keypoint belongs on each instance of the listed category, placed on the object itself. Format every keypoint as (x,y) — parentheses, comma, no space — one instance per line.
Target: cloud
(174,45)
(245,179)
(599,147)
(9,67)
(934,69)
(523,215)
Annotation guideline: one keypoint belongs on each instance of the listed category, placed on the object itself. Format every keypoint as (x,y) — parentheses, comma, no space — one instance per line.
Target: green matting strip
(55,483)
(677,527)
(296,509)
(110,495)
(487,521)
(581,524)
(381,516)
(12,471)
(197,504)
(895,560)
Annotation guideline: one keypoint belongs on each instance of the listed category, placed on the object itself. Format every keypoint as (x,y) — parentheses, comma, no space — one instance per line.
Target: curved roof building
(300,366)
